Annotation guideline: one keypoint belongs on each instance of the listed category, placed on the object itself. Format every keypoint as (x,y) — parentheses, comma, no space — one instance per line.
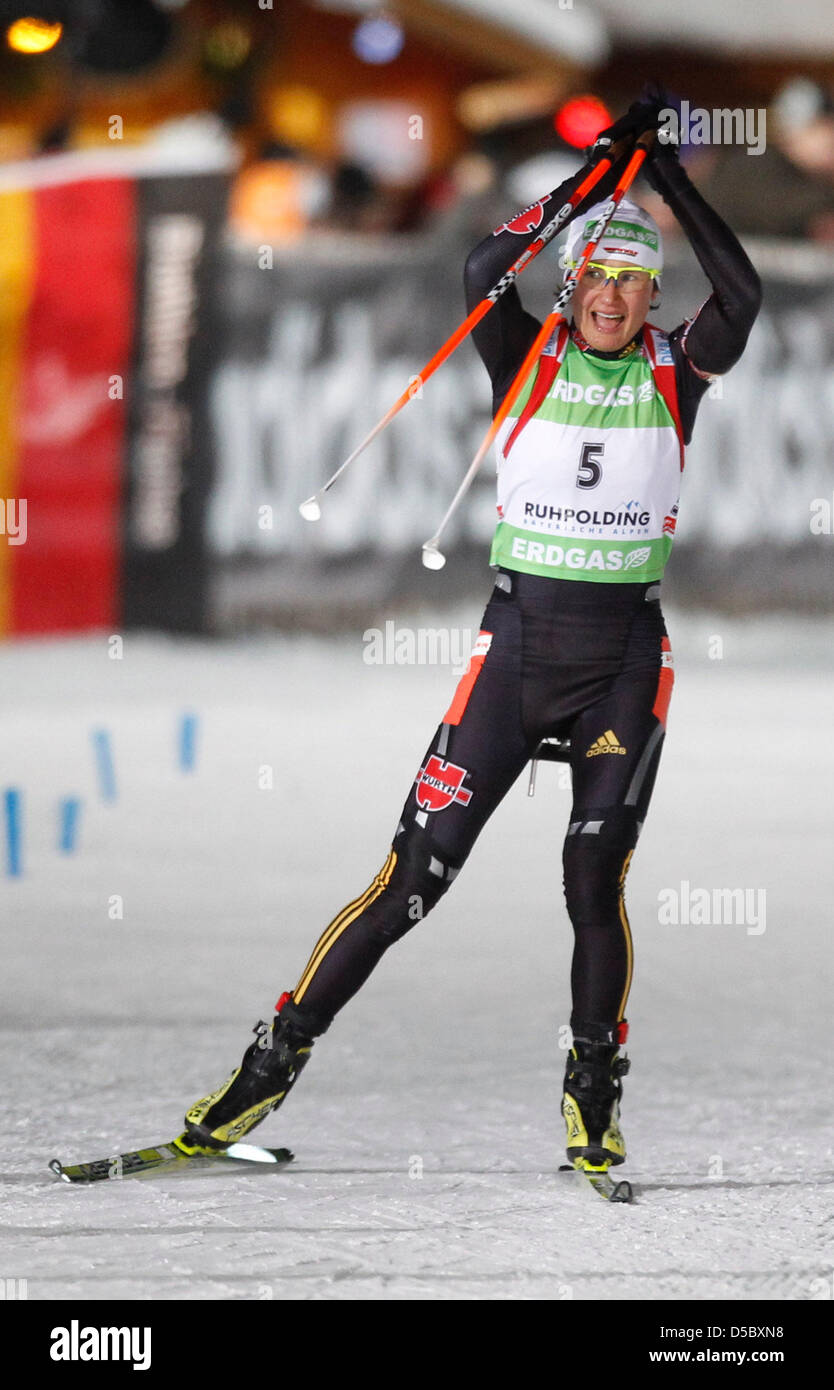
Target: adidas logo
(606,743)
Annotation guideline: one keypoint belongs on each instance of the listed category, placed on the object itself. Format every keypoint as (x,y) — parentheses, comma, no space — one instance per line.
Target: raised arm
(504,336)
(718,335)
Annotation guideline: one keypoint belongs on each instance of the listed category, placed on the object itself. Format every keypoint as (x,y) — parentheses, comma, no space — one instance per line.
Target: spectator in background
(357,203)
(275,199)
(803,115)
(788,190)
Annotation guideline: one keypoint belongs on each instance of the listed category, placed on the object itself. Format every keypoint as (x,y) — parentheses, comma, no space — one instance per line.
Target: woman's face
(609,315)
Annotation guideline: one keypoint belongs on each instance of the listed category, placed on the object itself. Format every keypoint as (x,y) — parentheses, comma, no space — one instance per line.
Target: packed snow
(426,1127)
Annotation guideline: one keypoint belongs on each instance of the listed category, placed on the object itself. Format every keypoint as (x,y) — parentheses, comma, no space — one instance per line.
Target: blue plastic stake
(69,812)
(13,815)
(104,763)
(188,742)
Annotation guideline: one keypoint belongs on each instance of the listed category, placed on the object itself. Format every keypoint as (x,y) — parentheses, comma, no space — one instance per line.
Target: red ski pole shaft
(545,236)
(432,556)
(310,508)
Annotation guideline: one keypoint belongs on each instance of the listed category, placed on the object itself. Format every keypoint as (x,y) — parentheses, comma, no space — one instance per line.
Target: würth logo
(526,221)
(439,784)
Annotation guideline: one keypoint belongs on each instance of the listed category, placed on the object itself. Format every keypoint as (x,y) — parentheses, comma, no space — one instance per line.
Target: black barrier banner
(317,346)
(170,455)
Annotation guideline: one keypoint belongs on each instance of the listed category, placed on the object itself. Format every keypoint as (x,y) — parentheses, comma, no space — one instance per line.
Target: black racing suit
(567,658)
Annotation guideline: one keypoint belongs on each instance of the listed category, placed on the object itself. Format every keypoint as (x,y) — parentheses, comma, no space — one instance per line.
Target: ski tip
(599,1179)
(253,1153)
(56,1167)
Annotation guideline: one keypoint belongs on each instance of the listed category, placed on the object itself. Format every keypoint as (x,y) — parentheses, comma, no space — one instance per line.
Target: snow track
(426,1130)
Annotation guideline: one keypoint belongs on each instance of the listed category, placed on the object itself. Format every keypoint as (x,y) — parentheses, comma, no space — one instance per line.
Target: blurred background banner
(232,230)
(344,338)
(104,361)
(67,267)
(170,444)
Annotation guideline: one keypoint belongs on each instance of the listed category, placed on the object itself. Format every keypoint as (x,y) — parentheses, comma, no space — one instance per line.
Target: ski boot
(269,1070)
(592,1093)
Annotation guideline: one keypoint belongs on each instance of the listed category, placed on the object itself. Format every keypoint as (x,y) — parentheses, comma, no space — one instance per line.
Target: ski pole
(433,558)
(310,508)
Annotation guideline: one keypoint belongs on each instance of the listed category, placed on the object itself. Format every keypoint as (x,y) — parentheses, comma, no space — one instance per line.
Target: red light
(581,119)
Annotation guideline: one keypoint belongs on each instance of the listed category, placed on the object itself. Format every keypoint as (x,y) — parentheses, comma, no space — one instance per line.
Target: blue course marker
(103,748)
(13,816)
(69,814)
(187,742)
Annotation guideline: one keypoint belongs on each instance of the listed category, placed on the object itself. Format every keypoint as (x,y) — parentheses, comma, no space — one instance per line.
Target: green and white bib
(589,486)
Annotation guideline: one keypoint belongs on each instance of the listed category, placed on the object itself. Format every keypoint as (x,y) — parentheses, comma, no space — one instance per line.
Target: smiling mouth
(607,322)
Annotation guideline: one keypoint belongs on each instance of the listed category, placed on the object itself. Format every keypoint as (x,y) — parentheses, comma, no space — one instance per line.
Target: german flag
(67,274)
(108,276)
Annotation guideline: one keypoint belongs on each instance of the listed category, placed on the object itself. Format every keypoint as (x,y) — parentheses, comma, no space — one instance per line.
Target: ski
(601,1182)
(163,1158)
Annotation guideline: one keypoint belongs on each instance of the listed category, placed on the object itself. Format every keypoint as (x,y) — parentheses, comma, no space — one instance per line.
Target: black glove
(641,115)
(662,168)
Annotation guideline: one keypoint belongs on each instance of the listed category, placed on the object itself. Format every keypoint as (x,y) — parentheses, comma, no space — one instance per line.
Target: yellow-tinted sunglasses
(627,278)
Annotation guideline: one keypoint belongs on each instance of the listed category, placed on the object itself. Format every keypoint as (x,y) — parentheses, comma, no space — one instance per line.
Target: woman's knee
(596,856)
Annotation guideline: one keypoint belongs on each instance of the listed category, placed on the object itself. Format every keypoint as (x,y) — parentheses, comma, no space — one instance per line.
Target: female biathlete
(573,643)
